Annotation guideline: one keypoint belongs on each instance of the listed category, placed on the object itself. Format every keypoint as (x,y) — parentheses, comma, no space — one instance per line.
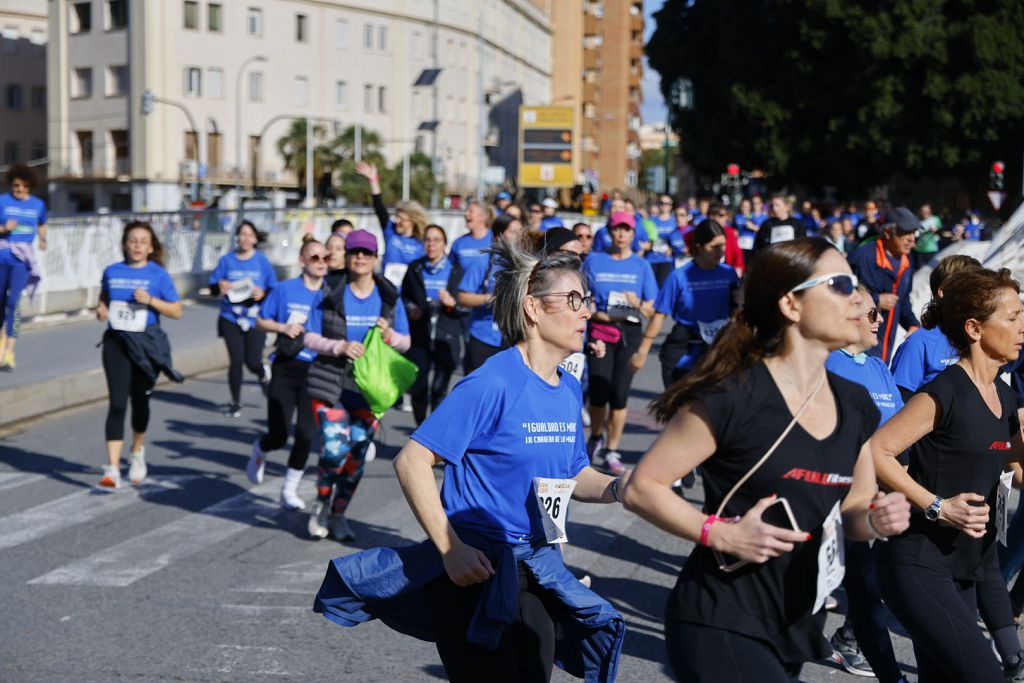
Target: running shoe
(340,530)
(689,481)
(595,444)
(1014,670)
(257,463)
(406,405)
(290,499)
(8,362)
(233,410)
(318,520)
(846,653)
(137,466)
(111,478)
(613,463)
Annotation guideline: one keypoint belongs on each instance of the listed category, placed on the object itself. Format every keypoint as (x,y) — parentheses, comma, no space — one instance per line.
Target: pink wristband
(706,528)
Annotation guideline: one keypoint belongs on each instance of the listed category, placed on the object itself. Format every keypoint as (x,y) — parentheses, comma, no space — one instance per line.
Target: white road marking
(233,657)
(11,480)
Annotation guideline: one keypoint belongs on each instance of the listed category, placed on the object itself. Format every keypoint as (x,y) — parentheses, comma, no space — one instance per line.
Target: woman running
(287,311)
(403,237)
(962,428)
(242,278)
(435,324)
(488,587)
(22,220)
(356,300)
(700,297)
(782,447)
(133,295)
(624,290)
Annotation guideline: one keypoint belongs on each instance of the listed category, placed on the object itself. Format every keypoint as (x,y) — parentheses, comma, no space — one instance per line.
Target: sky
(653,109)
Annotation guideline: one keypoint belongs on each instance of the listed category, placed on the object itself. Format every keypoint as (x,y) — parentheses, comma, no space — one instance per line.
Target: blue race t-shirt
(120,281)
(436,276)
(289,298)
(400,248)
(362,314)
(921,357)
(29,214)
(549,222)
(869,372)
(666,228)
(468,250)
(256,268)
(481,318)
(606,275)
(700,299)
(512,426)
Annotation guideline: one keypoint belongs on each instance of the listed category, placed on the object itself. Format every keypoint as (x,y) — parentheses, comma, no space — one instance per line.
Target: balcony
(591,60)
(591,25)
(636,23)
(636,50)
(591,92)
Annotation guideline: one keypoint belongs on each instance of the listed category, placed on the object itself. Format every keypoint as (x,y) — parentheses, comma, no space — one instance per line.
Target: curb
(35,400)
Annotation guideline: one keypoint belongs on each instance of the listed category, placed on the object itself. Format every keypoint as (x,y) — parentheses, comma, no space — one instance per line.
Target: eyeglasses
(574,299)
(358,251)
(843,284)
(873,315)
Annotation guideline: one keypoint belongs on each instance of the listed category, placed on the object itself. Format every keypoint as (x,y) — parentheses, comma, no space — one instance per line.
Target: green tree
(292,148)
(830,92)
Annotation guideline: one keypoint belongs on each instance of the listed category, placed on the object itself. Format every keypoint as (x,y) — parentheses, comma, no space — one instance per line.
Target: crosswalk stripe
(11,480)
(78,508)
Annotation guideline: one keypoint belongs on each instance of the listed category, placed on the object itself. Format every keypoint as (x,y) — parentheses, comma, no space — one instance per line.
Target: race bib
(395,273)
(831,565)
(574,365)
(1002,505)
(783,233)
(708,331)
(553,500)
(128,316)
(296,318)
(240,291)
(746,242)
(618,300)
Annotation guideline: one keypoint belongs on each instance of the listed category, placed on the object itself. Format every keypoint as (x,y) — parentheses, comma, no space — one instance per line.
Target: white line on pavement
(11,480)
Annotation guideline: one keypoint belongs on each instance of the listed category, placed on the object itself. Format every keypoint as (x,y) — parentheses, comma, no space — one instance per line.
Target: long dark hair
(756,330)
(158,249)
(261,236)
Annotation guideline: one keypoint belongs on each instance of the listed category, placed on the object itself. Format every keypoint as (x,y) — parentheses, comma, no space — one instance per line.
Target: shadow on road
(51,466)
(608,543)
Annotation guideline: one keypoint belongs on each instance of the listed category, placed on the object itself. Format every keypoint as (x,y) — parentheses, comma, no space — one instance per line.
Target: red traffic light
(733,169)
(998,167)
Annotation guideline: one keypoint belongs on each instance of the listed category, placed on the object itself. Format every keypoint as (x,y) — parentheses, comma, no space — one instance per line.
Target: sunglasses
(584,237)
(316,258)
(358,251)
(843,284)
(575,300)
(665,203)
(873,315)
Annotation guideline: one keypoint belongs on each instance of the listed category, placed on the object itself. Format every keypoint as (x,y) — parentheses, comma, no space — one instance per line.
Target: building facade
(229,78)
(23,33)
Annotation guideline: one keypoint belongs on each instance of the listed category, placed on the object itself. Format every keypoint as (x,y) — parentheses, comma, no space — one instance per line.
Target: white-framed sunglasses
(843,284)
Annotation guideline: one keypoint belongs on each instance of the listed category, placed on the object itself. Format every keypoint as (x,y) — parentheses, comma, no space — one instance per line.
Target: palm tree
(292,148)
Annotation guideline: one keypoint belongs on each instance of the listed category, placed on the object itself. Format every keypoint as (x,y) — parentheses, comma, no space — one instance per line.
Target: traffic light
(995,176)
(733,169)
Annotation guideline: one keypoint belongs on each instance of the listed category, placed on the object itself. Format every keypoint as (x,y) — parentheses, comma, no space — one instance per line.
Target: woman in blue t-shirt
(403,236)
(242,278)
(700,297)
(22,219)
(624,289)
(488,586)
(133,295)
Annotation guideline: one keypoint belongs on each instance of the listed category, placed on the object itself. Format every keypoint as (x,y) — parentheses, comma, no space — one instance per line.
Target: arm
(473,299)
(890,513)
(171,309)
(41,231)
(322,345)
(369,171)
(594,487)
(268,325)
(650,334)
(381,211)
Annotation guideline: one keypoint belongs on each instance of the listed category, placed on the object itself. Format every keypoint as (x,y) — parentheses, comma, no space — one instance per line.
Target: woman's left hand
(633,299)
(890,513)
(143,297)
(42,244)
(258,294)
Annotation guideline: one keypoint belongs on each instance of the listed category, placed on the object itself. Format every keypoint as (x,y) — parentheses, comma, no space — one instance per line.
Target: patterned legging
(346,436)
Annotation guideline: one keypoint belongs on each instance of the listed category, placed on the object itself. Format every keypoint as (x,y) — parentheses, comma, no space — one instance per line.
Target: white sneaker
(137,466)
(257,463)
(340,530)
(111,478)
(318,520)
(290,499)
(371,452)
(406,405)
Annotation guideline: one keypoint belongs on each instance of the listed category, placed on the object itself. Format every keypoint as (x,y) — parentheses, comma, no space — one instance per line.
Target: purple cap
(361,239)
(622,218)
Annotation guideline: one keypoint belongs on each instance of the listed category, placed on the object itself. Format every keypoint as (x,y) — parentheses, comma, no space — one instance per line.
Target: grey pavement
(199,576)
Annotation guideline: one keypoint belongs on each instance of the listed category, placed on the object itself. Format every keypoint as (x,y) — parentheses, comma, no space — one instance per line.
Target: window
(368,98)
(213,17)
(368,36)
(117,15)
(255,86)
(192,15)
(416,46)
(340,94)
(254,21)
(10,152)
(191,145)
(215,83)
(81,83)
(84,139)
(193,81)
(341,34)
(119,143)
(14,97)
(9,39)
(301,91)
(382,99)
(38,150)
(117,81)
(39,98)
(81,17)
(214,157)
(300,28)
(382,38)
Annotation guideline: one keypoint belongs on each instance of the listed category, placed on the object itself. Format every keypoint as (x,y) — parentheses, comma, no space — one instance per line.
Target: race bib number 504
(553,500)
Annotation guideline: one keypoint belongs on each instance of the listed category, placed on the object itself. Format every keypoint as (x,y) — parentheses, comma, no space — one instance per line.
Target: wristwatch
(931,513)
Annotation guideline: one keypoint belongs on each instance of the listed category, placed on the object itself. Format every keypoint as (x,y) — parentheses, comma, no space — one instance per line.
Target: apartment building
(23,82)
(224,72)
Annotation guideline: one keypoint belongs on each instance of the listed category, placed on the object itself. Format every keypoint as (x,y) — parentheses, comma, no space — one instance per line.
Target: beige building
(602,81)
(264,63)
(653,135)
(23,82)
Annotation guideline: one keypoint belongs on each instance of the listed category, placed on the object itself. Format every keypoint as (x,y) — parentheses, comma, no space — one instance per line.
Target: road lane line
(10,480)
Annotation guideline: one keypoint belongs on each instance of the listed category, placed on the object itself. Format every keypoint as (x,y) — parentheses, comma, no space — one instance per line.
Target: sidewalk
(59,366)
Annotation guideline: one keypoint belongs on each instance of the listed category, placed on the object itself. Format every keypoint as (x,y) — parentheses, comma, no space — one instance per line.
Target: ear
(790,307)
(973,329)
(530,307)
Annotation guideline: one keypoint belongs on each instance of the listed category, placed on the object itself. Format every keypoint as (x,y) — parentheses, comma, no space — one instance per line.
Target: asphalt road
(199,576)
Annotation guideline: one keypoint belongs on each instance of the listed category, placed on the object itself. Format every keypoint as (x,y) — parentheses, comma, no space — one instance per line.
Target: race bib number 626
(553,500)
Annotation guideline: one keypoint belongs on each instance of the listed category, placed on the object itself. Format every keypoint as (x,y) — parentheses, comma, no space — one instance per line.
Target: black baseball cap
(904,220)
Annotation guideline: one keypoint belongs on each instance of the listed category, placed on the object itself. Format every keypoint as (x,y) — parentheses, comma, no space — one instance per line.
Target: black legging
(286,394)
(476,353)
(124,380)
(941,615)
(428,392)
(243,347)
(866,615)
(526,651)
(704,654)
(611,377)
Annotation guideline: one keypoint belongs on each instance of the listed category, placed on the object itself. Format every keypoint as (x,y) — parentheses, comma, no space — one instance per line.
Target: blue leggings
(13,278)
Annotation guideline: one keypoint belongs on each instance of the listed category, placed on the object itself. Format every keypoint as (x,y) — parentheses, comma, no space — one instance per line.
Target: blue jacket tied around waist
(388,583)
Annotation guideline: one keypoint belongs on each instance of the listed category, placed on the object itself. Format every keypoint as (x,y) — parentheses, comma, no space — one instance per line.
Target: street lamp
(238,124)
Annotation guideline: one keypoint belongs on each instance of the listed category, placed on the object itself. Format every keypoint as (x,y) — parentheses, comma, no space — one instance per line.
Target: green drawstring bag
(382,373)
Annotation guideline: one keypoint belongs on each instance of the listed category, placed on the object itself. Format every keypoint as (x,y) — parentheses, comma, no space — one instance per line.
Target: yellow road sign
(545,146)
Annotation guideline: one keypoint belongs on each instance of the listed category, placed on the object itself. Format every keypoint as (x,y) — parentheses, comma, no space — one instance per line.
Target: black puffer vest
(327,373)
